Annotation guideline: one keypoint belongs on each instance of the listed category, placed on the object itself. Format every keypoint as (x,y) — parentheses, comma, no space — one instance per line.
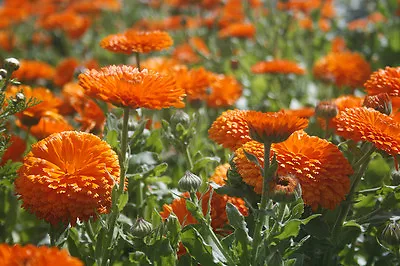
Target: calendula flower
(185,54)
(68,176)
(32,115)
(225,91)
(73,24)
(127,86)
(273,127)
(65,71)
(338,44)
(31,70)
(305,112)
(367,124)
(230,129)
(49,123)
(343,69)
(200,46)
(7,41)
(35,256)
(195,82)
(320,167)
(15,151)
(384,81)
(284,188)
(277,66)
(239,30)
(178,207)
(137,41)
(163,65)
(305,6)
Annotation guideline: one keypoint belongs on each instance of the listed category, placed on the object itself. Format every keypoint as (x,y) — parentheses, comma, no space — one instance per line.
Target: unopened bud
(11,64)
(395,178)
(3,73)
(141,228)
(189,182)
(391,234)
(380,102)
(285,189)
(326,109)
(19,97)
(180,117)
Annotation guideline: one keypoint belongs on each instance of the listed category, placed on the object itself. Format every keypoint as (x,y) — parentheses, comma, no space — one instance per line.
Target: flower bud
(391,234)
(11,64)
(189,182)
(234,64)
(3,73)
(380,102)
(285,189)
(19,97)
(395,178)
(141,228)
(180,117)
(326,109)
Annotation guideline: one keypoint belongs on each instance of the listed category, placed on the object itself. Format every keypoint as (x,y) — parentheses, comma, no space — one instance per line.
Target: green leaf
(112,138)
(139,258)
(349,232)
(204,253)
(292,227)
(252,158)
(318,228)
(123,200)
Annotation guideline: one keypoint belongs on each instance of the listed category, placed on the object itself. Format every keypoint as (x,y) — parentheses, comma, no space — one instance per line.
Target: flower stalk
(261,217)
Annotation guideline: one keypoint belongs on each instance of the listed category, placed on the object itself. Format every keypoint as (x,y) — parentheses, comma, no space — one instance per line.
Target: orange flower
(65,71)
(225,91)
(273,127)
(324,24)
(185,54)
(384,80)
(305,6)
(306,23)
(15,151)
(127,86)
(7,41)
(48,103)
(277,66)
(163,65)
(31,70)
(199,45)
(178,207)
(306,112)
(320,167)
(338,44)
(73,24)
(195,82)
(230,129)
(137,41)
(58,182)
(240,30)
(49,123)
(367,124)
(343,69)
(380,102)
(35,256)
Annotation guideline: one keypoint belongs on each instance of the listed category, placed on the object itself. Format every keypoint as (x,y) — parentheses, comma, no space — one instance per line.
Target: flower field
(199,132)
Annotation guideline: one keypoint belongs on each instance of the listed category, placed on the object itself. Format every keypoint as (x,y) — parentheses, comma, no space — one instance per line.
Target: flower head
(225,91)
(15,151)
(230,129)
(367,124)
(127,86)
(137,41)
(284,188)
(273,127)
(35,256)
(343,69)
(322,170)
(65,71)
(239,30)
(31,70)
(380,102)
(68,176)
(384,80)
(277,66)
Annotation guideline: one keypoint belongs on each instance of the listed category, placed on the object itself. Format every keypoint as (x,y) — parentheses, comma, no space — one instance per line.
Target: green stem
(361,165)
(261,217)
(188,157)
(114,211)
(137,55)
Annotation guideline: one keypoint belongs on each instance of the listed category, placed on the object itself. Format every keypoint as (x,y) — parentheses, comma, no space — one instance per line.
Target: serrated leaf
(292,227)
(252,158)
